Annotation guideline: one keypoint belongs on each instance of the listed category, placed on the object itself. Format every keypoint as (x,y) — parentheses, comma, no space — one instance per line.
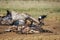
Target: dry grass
(35,8)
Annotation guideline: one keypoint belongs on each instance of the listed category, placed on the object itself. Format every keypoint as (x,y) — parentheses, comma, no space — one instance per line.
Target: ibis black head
(8,13)
(42,17)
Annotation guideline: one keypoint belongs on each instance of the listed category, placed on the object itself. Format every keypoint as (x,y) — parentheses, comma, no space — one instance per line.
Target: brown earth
(53,26)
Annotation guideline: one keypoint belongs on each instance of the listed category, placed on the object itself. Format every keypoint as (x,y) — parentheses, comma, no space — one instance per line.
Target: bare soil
(54,27)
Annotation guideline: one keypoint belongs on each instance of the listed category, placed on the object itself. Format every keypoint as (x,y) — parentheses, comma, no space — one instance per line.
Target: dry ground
(35,8)
(54,27)
(14,36)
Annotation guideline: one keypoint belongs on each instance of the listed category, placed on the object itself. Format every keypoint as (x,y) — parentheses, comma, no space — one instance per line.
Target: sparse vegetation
(36,8)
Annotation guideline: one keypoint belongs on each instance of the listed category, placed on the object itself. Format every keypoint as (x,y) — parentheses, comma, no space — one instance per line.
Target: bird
(41,19)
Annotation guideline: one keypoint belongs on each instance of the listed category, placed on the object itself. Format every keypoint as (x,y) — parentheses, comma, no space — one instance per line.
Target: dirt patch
(54,27)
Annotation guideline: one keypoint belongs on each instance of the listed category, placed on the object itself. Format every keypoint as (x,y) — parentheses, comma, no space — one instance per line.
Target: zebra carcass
(26,22)
(7,19)
(11,17)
